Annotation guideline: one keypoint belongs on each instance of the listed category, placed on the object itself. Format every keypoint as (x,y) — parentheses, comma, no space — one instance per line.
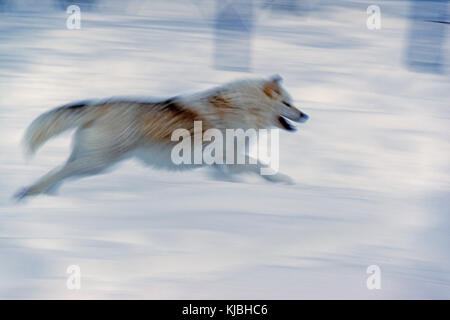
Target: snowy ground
(371,165)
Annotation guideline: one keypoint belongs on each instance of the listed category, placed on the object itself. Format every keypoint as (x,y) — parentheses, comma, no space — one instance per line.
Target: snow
(371,165)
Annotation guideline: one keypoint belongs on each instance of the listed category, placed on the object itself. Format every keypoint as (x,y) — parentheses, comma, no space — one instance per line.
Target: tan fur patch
(159,121)
(97,112)
(271,89)
(102,109)
(221,103)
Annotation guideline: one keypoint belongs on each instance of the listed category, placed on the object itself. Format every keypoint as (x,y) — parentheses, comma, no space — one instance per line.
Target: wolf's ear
(276,78)
(272,87)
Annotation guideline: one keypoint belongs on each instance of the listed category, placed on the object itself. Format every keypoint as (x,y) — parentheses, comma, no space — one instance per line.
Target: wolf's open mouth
(287,124)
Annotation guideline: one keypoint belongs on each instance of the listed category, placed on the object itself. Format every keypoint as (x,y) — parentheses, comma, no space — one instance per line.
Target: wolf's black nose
(303,117)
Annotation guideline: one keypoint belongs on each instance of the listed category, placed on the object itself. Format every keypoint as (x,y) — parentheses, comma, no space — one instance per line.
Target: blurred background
(371,166)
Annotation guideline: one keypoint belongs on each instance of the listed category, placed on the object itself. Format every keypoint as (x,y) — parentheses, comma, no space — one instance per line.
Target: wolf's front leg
(256,167)
(279,178)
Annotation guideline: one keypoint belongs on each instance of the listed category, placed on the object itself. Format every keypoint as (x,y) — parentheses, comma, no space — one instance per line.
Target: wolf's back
(55,122)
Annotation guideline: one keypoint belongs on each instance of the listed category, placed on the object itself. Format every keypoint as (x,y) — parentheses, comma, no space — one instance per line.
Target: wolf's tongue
(286,124)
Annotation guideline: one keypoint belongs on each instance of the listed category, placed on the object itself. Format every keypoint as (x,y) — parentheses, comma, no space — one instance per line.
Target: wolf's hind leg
(75,167)
(48,183)
(85,160)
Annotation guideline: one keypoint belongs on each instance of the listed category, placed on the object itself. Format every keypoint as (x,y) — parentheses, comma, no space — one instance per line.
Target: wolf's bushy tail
(55,122)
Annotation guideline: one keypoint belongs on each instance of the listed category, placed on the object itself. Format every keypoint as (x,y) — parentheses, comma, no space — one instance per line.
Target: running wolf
(112,130)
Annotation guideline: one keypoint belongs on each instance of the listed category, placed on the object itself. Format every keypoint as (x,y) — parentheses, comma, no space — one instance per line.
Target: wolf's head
(280,102)
(256,104)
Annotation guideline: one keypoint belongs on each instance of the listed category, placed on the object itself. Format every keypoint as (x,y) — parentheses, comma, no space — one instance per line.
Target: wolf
(112,130)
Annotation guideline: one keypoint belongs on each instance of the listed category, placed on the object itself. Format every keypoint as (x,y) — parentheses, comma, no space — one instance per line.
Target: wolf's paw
(22,194)
(280,178)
